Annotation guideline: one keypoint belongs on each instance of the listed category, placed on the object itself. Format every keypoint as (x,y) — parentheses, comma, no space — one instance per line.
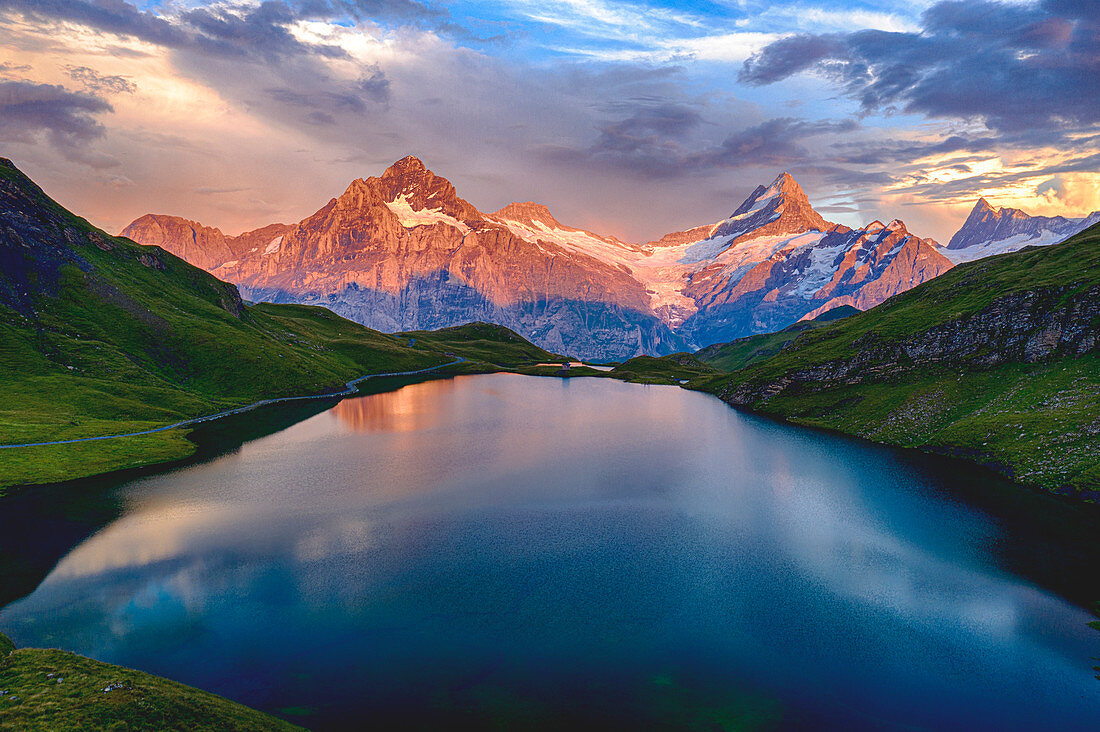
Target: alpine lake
(505,551)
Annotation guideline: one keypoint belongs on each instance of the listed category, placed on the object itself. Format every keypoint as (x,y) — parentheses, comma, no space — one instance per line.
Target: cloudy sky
(629,118)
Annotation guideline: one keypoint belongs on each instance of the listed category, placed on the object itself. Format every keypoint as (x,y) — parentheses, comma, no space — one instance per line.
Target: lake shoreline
(404,530)
(1088,504)
(184,428)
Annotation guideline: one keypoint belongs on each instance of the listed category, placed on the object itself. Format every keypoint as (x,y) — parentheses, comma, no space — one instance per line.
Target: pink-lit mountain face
(404,251)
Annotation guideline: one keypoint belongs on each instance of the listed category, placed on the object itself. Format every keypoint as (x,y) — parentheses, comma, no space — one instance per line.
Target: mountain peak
(781,208)
(409,172)
(409,179)
(784,187)
(786,182)
(1007,229)
(528,212)
(881,232)
(406,165)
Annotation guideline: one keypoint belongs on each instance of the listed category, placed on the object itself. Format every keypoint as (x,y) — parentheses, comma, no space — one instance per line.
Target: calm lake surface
(538,552)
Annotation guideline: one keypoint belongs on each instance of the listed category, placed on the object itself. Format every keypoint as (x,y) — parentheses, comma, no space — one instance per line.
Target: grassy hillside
(670,369)
(744,351)
(484,342)
(54,690)
(99,336)
(997,360)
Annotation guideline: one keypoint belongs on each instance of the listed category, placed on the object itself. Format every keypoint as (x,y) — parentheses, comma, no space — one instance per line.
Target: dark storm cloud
(1017,67)
(653,139)
(647,136)
(328,100)
(401,11)
(93,81)
(114,16)
(773,142)
(791,55)
(233,31)
(374,84)
(319,102)
(229,30)
(645,117)
(260,31)
(66,118)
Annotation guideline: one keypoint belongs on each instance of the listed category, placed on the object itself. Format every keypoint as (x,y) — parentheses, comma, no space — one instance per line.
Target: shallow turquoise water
(542,552)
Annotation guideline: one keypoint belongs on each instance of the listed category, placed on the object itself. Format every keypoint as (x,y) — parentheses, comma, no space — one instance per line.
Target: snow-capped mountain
(775,260)
(404,251)
(988,231)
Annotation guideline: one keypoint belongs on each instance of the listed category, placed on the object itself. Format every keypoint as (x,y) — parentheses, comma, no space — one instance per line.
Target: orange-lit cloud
(239,115)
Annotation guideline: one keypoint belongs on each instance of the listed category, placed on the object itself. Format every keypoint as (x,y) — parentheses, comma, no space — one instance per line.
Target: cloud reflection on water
(580,518)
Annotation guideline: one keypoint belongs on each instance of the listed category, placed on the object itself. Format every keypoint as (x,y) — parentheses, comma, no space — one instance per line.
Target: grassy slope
(484,342)
(670,369)
(740,353)
(123,338)
(1036,422)
(56,690)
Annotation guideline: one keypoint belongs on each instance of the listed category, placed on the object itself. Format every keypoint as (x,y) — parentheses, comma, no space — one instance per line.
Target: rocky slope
(998,360)
(988,231)
(404,251)
(202,246)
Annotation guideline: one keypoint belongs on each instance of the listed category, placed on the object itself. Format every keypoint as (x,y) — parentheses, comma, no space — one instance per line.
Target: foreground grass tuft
(60,691)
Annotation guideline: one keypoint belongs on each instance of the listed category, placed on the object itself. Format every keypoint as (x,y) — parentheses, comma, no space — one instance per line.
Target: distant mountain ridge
(403,251)
(989,230)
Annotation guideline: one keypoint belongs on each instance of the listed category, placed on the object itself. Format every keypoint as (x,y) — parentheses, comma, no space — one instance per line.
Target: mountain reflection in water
(514,552)
(404,410)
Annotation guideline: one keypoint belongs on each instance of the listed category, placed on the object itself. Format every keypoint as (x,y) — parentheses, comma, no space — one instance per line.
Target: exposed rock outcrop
(1022,327)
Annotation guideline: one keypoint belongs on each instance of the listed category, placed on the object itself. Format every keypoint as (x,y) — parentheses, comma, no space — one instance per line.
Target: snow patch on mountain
(663,276)
(741,258)
(572,240)
(821,268)
(1003,246)
(273,246)
(411,218)
(706,249)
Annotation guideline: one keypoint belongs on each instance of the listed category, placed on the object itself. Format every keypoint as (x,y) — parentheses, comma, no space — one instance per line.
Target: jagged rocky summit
(989,230)
(403,251)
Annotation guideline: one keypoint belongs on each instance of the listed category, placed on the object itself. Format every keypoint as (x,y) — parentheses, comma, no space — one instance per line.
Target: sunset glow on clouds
(633,119)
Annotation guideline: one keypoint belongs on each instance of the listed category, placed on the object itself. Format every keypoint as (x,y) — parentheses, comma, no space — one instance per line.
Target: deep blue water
(549,553)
